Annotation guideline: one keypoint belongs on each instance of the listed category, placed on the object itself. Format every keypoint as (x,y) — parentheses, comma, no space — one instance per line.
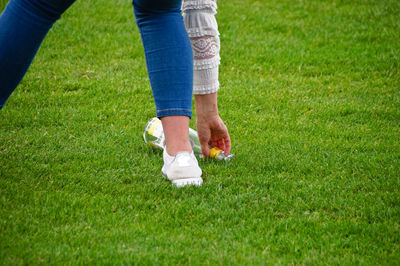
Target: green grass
(310,93)
(3,4)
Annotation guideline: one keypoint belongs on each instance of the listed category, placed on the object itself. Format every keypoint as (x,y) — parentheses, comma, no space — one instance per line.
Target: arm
(202,28)
(212,130)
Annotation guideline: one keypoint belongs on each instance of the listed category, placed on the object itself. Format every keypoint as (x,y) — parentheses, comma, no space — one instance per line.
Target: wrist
(206,105)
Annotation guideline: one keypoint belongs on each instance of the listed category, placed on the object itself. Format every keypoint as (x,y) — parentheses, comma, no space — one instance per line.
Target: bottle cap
(214,152)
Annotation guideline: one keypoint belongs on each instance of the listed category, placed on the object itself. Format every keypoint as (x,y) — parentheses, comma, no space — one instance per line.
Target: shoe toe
(183,170)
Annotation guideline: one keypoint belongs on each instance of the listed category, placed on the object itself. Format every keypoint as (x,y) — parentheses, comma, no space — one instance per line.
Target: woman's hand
(210,127)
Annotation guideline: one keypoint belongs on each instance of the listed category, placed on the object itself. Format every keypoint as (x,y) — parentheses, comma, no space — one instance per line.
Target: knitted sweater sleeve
(202,27)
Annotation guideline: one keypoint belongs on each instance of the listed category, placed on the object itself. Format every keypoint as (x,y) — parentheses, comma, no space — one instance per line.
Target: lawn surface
(311,95)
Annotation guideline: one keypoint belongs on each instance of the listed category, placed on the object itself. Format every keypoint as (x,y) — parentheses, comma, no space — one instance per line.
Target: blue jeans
(25,23)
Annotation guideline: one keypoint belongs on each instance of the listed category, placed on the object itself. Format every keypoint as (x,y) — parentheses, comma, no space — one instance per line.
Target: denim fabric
(168,54)
(23,26)
(25,23)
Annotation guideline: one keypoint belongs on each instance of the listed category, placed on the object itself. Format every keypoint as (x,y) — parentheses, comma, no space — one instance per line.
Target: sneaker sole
(196,181)
(191,181)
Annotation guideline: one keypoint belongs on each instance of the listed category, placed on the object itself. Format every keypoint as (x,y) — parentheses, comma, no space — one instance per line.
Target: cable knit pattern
(202,27)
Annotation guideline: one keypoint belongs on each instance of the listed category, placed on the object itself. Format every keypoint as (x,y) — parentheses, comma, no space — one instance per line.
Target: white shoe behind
(182,169)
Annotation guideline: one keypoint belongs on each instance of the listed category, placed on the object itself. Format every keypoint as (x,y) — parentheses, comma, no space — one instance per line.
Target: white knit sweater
(202,27)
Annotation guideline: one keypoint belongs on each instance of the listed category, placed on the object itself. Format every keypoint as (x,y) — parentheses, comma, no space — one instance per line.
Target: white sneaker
(182,169)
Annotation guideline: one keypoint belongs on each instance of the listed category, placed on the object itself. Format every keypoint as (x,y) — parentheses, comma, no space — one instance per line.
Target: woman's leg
(23,26)
(170,67)
(169,61)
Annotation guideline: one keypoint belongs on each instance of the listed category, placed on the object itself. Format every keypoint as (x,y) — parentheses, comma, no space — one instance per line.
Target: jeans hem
(170,112)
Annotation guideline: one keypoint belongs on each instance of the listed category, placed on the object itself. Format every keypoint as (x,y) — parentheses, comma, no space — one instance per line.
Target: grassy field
(310,93)
(3,4)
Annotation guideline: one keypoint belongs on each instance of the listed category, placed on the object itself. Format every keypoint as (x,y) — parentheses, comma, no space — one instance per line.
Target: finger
(217,144)
(227,141)
(205,149)
(221,144)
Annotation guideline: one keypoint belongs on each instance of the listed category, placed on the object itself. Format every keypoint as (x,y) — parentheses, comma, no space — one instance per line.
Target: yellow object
(214,152)
(154,124)
(154,128)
